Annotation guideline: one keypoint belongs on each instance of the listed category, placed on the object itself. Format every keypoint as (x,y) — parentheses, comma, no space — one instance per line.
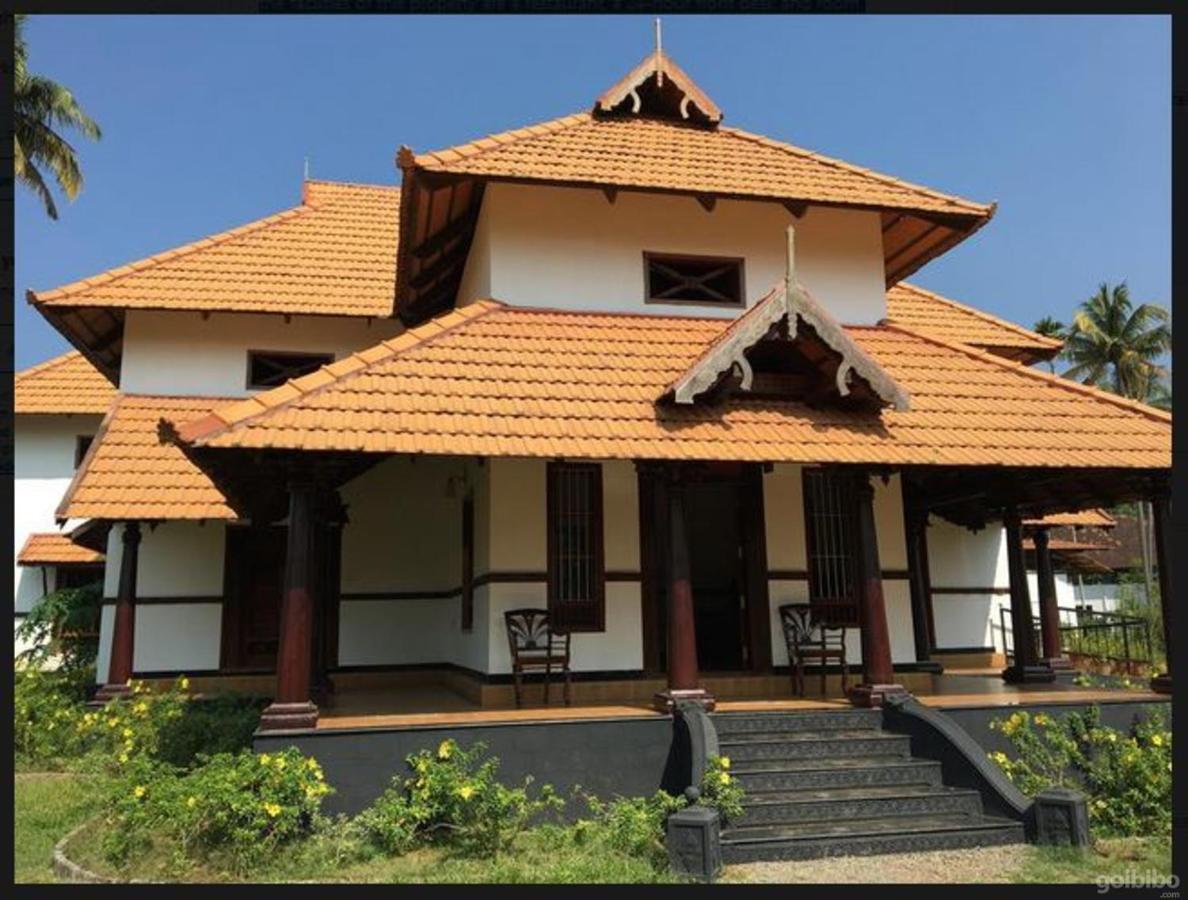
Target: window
(693,279)
(82,444)
(268,368)
(468,562)
(576,577)
(831,533)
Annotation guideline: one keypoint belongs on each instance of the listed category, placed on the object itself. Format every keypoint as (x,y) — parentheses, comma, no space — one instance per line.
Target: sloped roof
(495,380)
(927,312)
(53,549)
(129,473)
(65,384)
(1090,518)
(332,255)
(656,154)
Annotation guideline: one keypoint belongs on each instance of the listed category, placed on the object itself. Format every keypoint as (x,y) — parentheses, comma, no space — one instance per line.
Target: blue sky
(1064,121)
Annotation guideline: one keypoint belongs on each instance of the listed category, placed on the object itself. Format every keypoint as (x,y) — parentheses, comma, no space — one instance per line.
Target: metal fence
(1107,636)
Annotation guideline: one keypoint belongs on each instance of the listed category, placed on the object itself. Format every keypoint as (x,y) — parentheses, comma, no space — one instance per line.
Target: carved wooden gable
(659,88)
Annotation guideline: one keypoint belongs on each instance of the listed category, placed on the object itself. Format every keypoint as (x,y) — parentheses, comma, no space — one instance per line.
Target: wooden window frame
(851,617)
(649,256)
(281,355)
(468,562)
(595,620)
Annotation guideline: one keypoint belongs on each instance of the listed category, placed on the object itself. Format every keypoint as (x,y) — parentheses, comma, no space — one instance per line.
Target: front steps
(833,783)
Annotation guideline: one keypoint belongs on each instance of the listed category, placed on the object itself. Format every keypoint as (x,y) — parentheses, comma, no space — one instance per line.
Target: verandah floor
(411,705)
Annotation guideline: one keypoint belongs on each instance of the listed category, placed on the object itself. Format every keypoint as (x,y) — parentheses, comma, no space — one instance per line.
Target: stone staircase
(834,783)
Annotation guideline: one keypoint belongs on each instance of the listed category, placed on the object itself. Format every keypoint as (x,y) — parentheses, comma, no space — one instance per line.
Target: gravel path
(977,866)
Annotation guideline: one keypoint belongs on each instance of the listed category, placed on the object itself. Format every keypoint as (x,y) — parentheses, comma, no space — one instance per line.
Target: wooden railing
(1110,637)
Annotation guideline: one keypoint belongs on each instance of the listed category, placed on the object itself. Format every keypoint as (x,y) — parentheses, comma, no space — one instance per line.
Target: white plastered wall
(974,560)
(43,465)
(183,353)
(532,248)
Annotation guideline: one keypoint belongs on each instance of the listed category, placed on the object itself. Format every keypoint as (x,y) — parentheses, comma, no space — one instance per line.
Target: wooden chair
(809,638)
(534,646)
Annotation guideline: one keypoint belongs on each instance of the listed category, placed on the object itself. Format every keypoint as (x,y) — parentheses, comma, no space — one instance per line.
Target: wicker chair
(809,638)
(535,647)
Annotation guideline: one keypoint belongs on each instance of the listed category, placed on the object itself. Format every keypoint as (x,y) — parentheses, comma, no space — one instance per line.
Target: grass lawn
(46,806)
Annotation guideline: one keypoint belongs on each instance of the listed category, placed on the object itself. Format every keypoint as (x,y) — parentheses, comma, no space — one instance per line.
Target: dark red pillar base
(109,692)
(1035,674)
(873,695)
(1162,684)
(289,716)
(666,701)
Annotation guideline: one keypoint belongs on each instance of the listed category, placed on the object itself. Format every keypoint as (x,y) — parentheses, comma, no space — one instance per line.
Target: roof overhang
(97,332)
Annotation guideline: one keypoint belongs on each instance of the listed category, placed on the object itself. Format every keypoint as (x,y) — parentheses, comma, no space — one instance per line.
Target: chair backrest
(528,632)
(803,627)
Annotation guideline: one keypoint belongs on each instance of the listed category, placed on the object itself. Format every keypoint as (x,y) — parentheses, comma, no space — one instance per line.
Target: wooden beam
(611,194)
(796,207)
(120,664)
(707,201)
(431,274)
(439,241)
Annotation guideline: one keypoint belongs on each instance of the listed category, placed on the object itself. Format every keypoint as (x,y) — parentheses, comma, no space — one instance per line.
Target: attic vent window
(714,280)
(270,368)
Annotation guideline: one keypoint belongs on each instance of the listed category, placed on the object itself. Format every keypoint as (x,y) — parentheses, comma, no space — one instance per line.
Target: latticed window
(268,369)
(693,279)
(576,571)
(831,530)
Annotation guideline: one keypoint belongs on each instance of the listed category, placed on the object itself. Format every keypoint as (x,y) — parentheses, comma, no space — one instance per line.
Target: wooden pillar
(1161,504)
(1026,667)
(915,522)
(123,633)
(878,677)
(292,706)
(1053,654)
(684,679)
(755,558)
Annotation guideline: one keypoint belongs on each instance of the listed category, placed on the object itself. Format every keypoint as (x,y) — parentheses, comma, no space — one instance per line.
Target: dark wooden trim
(971,590)
(915,528)
(754,536)
(120,662)
(514,577)
(787,575)
(371,596)
(623,575)
(876,642)
(649,255)
(467,588)
(165,601)
(964,649)
(597,622)
(652,538)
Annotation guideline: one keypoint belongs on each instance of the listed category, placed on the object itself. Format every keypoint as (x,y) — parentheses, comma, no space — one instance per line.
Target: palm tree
(41,109)
(1114,345)
(1052,328)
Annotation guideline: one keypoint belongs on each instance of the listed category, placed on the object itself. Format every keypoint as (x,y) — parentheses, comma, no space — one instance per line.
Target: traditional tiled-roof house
(654,374)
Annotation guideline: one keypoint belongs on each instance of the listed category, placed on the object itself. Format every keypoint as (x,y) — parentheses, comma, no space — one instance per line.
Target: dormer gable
(660,89)
(788,347)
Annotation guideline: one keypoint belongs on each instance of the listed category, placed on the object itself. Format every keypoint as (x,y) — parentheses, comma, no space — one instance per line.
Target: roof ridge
(982,314)
(332,374)
(358,184)
(148,262)
(1075,387)
(472,148)
(45,365)
(968,205)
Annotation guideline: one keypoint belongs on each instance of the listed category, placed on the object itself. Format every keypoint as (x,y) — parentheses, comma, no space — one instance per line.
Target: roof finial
(659,55)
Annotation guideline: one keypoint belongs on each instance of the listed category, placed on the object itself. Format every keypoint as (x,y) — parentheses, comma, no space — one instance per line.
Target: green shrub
(634,826)
(223,723)
(47,710)
(1126,776)
(132,727)
(238,807)
(62,629)
(720,789)
(453,797)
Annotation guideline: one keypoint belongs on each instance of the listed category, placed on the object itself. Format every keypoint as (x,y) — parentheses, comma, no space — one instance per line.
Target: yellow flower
(123,757)
(139,791)
(724,762)
(724,777)
(272,809)
(466,791)
(444,749)
(1112,737)
(1099,803)
(1157,740)
(183,683)
(127,732)
(265,759)
(1042,720)
(191,802)
(280,763)
(140,708)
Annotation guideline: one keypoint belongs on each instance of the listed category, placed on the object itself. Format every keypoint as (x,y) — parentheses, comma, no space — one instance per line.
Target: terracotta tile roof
(499,381)
(128,473)
(53,549)
(1091,518)
(333,255)
(929,313)
(64,384)
(1059,545)
(655,154)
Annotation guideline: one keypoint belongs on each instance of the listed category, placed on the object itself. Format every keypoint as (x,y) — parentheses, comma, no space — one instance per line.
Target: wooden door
(254,566)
